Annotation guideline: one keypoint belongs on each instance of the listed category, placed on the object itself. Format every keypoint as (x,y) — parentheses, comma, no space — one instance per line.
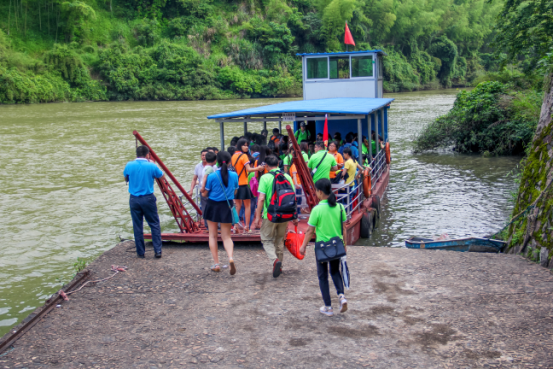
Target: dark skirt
(244,193)
(218,211)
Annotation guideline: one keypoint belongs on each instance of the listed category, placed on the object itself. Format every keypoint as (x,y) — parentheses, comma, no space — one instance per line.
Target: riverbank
(406,309)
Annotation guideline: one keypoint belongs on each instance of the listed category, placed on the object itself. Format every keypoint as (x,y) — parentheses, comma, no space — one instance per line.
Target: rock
(544,253)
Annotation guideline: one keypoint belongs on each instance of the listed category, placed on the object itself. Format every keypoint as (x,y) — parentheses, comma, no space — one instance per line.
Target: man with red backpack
(277,200)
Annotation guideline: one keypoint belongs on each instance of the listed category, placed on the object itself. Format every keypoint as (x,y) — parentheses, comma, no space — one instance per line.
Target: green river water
(63,196)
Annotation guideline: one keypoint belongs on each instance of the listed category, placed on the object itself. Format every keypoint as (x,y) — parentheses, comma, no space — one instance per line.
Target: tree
(76,14)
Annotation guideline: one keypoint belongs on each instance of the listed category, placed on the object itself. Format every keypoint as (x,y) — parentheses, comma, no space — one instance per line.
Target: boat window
(339,67)
(362,66)
(317,68)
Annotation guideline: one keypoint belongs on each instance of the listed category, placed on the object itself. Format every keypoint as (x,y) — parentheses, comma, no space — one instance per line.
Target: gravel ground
(407,309)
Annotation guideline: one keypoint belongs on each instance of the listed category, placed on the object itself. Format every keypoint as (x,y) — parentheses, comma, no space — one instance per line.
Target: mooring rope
(114,268)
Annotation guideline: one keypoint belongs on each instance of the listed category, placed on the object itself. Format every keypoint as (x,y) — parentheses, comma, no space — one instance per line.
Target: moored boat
(343,89)
(469,244)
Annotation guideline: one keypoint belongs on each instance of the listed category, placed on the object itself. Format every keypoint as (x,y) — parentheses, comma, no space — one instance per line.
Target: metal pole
(245,128)
(222,133)
(265,124)
(382,124)
(360,140)
(280,126)
(376,133)
(369,123)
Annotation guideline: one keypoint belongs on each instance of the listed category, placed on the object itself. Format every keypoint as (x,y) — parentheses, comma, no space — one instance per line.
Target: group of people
(242,179)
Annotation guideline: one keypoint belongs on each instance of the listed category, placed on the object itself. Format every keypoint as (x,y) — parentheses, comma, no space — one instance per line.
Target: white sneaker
(343,304)
(326,310)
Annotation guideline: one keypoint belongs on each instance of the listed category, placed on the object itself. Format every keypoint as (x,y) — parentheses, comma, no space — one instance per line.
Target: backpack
(282,206)
(254,185)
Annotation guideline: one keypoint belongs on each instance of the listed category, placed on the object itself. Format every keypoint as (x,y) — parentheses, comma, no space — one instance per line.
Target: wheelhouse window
(339,67)
(317,68)
(362,66)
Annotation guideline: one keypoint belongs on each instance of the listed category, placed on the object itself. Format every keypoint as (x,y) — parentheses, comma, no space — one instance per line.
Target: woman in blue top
(220,188)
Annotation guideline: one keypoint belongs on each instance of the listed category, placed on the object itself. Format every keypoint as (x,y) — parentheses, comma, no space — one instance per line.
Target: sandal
(232,267)
(215,268)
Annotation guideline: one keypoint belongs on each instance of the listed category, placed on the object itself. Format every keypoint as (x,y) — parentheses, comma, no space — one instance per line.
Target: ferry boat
(345,88)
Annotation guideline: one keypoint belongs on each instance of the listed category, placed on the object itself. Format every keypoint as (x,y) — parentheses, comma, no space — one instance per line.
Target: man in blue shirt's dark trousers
(140,175)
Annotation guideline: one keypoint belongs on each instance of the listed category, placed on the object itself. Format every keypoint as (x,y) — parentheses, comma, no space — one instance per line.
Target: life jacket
(282,206)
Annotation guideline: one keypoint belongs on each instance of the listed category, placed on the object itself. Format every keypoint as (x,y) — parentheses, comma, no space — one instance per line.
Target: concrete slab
(407,309)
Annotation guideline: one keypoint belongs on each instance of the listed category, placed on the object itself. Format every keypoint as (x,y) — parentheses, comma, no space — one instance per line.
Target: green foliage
(74,50)
(80,265)
(488,118)
(525,28)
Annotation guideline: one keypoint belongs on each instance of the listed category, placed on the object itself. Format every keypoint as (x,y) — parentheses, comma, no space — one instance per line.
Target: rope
(114,268)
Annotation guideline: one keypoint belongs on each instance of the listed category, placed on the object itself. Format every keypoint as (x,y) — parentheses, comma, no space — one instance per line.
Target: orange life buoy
(388,157)
(367,184)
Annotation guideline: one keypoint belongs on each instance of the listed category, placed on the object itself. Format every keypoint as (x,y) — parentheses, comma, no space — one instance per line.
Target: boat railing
(196,197)
(378,166)
(349,196)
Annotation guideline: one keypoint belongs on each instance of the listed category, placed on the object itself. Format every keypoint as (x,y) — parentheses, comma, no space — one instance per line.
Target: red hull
(353,225)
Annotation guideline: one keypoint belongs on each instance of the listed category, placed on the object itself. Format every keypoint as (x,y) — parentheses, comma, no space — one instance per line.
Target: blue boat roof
(343,53)
(340,105)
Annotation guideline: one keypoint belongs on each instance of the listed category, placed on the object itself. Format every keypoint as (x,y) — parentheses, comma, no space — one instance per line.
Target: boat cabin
(343,74)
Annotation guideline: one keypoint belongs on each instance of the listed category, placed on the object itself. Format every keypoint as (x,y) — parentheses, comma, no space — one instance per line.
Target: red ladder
(183,218)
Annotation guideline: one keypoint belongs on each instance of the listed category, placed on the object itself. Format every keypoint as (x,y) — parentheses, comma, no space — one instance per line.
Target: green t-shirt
(266,187)
(323,171)
(300,136)
(250,176)
(364,150)
(326,220)
(288,158)
(373,144)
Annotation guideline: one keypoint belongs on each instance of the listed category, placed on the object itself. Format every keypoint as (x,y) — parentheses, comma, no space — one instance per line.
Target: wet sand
(407,309)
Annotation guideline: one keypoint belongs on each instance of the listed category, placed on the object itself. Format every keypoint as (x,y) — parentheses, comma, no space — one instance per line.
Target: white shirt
(199,171)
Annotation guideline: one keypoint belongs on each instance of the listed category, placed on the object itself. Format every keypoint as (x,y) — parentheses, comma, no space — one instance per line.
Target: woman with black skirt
(220,188)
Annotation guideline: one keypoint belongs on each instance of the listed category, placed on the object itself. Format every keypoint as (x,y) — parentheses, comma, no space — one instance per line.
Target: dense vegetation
(74,50)
(491,119)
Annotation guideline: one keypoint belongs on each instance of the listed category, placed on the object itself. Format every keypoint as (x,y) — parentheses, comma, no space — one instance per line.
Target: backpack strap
(244,167)
(322,159)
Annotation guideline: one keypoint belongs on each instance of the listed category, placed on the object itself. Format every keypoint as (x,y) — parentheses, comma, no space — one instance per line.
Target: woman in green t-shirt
(327,220)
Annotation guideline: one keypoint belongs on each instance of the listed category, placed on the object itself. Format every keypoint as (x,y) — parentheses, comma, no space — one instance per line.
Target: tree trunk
(531,234)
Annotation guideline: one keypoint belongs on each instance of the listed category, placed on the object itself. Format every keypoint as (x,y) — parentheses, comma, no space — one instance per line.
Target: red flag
(348,38)
(325,131)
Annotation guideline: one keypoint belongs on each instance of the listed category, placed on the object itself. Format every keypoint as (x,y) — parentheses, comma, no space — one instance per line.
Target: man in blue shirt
(140,175)
(349,143)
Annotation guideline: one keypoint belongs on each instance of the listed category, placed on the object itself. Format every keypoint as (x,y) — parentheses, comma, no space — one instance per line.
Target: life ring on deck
(388,157)
(367,183)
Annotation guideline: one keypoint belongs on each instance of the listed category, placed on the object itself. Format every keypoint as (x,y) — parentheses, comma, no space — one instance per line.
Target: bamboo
(9,16)
(39,20)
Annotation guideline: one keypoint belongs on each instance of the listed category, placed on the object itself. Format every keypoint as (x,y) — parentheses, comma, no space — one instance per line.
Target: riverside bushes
(490,118)
(214,49)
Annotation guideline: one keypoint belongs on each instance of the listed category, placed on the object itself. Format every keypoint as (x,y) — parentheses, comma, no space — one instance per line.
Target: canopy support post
(245,127)
(369,124)
(376,132)
(265,124)
(360,141)
(222,133)
(280,125)
(382,124)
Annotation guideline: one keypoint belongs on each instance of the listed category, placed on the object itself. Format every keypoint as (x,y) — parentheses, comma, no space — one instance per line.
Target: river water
(63,196)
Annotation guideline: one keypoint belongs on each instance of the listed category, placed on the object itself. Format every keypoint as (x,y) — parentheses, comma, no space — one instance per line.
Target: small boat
(470,244)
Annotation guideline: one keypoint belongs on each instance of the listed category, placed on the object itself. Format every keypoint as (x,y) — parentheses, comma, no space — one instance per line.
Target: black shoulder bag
(317,167)
(334,248)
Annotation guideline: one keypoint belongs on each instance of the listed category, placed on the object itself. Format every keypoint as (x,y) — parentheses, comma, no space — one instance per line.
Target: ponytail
(223,160)
(325,187)
(332,200)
